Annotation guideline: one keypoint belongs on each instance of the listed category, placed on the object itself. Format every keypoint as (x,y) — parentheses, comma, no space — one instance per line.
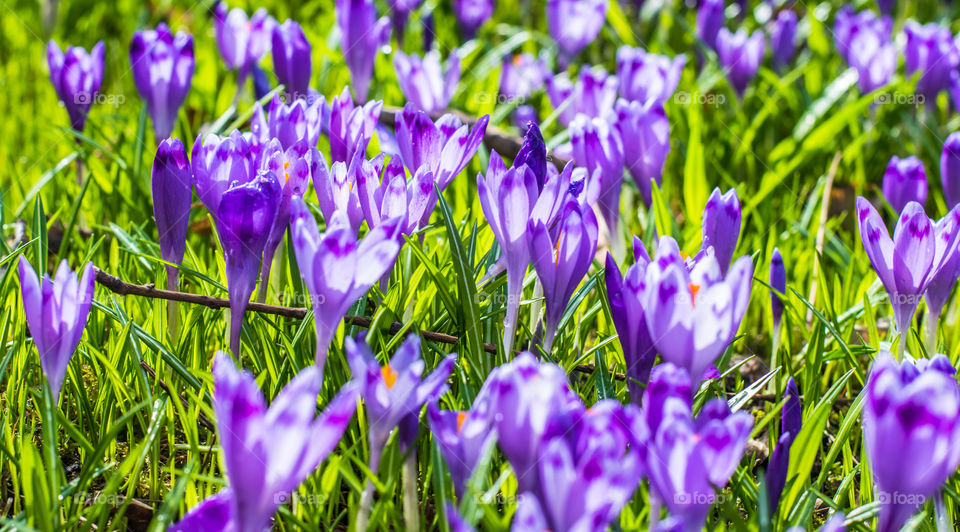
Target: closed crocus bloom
(710,19)
(932,52)
(399,13)
(351,127)
(56,312)
(629,317)
(424,82)
(562,259)
(244,219)
(950,169)
(693,315)
(290,124)
(909,261)
(592,95)
(783,36)
(172,193)
(598,148)
(362,36)
(471,14)
(689,458)
(778,283)
(533,154)
(574,24)
(644,76)
(291,59)
(791,417)
(721,226)
(242,41)
(336,268)
(905,180)
(218,162)
(76,77)
(645,132)
(162,70)
(849,25)
(911,431)
(740,56)
(522,75)
(267,451)
(463,436)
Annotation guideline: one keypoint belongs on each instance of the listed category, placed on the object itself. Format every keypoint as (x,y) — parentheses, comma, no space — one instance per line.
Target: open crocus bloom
(76,76)
(162,65)
(242,42)
(351,126)
(644,76)
(425,83)
(289,124)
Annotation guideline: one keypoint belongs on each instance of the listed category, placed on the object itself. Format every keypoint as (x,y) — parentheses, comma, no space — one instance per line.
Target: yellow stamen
(461,417)
(694,288)
(389,375)
(286,174)
(556,250)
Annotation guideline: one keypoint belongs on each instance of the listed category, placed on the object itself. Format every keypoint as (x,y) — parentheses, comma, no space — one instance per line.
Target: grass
(135,456)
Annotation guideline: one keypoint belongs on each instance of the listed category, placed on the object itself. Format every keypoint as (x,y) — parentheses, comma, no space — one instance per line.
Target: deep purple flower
(950,169)
(721,226)
(267,452)
(336,268)
(592,95)
(907,263)
(778,281)
(629,317)
(362,35)
(172,193)
(689,458)
(598,148)
(575,23)
(942,281)
(562,259)
(399,13)
(291,58)
(710,19)
(533,154)
(848,25)
(218,162)
(471,14)
(740,56)
(791,417)
(76,77)
(242,42)
(931,51)
(644,76)
(645,133)
(162,70)
(289,124)
(425,83)
(522,75)
(56,313)
(523,116)
(694,314)
(351,127)
(904,181)
(783,35)
(463,436)
(911,432)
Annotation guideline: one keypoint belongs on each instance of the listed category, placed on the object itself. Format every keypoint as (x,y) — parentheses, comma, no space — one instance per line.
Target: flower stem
(930,325)
(411,506)
(50,451)
(366,498)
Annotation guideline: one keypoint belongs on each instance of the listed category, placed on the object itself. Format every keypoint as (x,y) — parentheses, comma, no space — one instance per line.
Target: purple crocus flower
(562,258)
(911,432)
(76,77)
(629,318)
(267,452)
(689,458)
(592,95)
(907,263)
(242,41)
(362,36)
(932,52)
(336,268)
(337,191)
(783,35)
(574,24)
(848,25)
(424,82)
(791,417)
(382,200)
(941,283)
(291,59)
(778,281)
(522,75)
(710,19)
(644,76)
(950,169)
(740,56)
(721,226)
(399,13)
(694,314)
(218,162)
(904,181)
(597,146)
(863,39)
(463,437)
(56,312)
(645,133)
(533,154)
(162,70)
(351,127)
(172,193)
(471,14)
(289,123)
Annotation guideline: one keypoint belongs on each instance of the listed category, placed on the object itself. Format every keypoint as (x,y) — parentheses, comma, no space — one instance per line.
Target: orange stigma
(461,417)
(286,174)
(389,375)
(556,250)
(694,288)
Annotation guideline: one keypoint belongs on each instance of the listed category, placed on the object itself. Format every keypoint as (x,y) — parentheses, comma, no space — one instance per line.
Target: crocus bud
(162,70)
(710,18)
(471,14)
(782,38)
(574,24)
(424,82)
(904,181)
(629,318)
(740,56)
(950,169)
(76,77)
(242,42)
(592,95)
(533,154)
(362,36)
(291,59)
(56,313)
(721,225)
(931,51)
(778,281)
(645,132)
(172,191)
(289,124)
(351,127)
(598,148)
(644,76)
(791,417)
